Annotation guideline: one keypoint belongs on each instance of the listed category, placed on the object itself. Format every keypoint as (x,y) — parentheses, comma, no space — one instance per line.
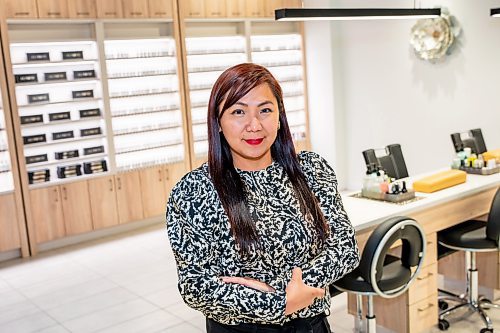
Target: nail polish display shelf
(396,198)
(481,171)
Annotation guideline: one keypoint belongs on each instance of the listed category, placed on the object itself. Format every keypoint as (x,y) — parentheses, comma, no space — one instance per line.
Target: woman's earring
(279,124)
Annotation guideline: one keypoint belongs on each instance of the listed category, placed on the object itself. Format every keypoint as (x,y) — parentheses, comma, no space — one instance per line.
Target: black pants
(317,324)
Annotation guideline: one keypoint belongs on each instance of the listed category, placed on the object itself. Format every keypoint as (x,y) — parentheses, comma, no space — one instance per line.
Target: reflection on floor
(121,284)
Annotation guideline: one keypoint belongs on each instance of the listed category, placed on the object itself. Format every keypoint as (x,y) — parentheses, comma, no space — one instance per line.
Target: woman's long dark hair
(231,86)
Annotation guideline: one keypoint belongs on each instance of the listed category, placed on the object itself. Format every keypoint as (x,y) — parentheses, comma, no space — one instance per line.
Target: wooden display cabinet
(192,8)
(46,209)
(153,188)
(272,5)
(156,184)
(82,9)
(235,8)
(135,9)
(128,198)
(76,207)
(52,9)
(160,8)
(9,237)
(102,192)
(109,9)
(215,8)
(255,8)
(19,9)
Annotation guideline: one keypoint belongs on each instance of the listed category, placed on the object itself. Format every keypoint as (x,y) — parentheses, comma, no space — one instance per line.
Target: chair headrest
(382,238)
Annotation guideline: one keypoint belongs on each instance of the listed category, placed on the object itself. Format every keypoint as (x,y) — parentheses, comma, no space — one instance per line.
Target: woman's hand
(298,294)
(249,282)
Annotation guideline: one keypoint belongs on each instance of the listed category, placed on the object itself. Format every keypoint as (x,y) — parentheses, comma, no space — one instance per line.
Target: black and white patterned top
(204,249)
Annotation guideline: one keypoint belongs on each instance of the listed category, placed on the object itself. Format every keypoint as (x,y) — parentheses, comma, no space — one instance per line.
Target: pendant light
(308,14)
(495,12)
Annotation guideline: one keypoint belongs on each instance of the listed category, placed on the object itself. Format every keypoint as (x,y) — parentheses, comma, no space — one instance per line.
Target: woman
(258,232)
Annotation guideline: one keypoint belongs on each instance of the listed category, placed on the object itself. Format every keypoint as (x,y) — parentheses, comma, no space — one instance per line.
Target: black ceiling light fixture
(311,14)
(495,12)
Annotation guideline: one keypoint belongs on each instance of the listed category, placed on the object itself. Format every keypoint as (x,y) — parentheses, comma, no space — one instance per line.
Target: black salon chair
(472,236)
(380,273)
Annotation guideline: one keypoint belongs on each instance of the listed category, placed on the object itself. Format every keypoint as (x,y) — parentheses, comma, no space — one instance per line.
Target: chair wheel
(484,303)
(443,305)
(486,330)
(444,325)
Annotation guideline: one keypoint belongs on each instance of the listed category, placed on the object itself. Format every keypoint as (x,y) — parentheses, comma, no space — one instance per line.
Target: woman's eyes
(240,112)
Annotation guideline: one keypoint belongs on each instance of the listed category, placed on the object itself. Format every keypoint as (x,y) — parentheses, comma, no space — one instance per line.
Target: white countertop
(365,213)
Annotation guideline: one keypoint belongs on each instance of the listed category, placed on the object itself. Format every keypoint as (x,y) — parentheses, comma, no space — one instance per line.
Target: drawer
(423,314)
(425,284)
(431,250)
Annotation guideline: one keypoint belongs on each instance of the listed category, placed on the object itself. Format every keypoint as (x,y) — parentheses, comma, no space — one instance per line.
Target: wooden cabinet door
(153,189)
(160,8)
(235,8)
(174,173)
(47,213)
(128,197)
(52,8)
(272,5)
(19,9)
(292,4)
(192,8)
(9,227)
(135,9)
(102,192)
(76,207)
(82,9)
(255,8)
(215,8)
(109,8)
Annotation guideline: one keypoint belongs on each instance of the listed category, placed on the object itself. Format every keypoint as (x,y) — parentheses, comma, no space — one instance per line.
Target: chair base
(470,299)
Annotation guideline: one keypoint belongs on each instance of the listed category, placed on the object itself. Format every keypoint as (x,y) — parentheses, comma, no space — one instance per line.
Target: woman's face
(250,127)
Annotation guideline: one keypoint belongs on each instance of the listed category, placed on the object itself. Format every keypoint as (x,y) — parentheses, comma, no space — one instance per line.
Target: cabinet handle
(21,13)
(110,13)
(54,13)
(136,13)
(159,175)
(65,193)
(111,185)
(83,13)
(57,197)
(167,176)
(429,242)
(428,306)
(119,183)
(420,278)
(160,13)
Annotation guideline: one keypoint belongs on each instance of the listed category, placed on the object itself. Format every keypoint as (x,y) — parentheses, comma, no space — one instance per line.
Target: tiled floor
(121,284)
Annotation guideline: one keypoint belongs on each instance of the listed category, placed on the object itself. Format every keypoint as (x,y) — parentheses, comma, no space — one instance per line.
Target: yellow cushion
(488,155)
(439,181)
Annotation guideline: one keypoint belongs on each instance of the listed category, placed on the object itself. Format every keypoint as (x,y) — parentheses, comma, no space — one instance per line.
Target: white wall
(381,93)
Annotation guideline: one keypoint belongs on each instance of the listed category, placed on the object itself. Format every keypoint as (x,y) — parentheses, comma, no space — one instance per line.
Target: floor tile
(165,297)
(10,297)
(110,316)
(31,323)
(91,304)
(16,311)
(182,328)
(69,294)
(54,329)
(151,322)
